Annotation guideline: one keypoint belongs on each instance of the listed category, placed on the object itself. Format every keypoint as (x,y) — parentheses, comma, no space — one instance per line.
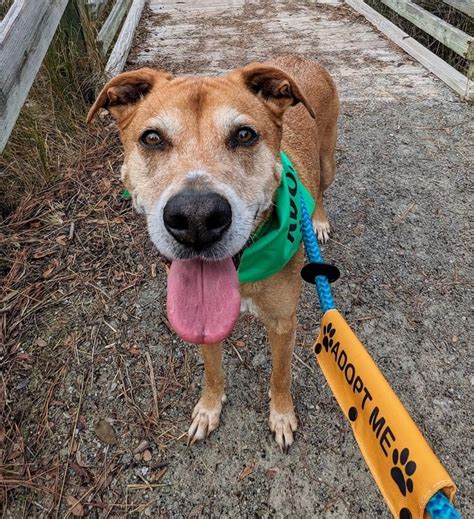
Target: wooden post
(25,35)
(118,56)
(112,24)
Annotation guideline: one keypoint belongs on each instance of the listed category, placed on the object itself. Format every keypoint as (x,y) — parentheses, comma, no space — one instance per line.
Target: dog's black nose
(197,219)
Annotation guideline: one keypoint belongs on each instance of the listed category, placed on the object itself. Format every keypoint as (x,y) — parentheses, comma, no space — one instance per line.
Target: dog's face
(201,154)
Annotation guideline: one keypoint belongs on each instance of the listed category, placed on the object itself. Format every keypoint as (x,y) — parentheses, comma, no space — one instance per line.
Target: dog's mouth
(203,299)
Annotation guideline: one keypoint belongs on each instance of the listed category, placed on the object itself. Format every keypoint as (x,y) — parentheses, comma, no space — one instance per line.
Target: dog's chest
(247,305)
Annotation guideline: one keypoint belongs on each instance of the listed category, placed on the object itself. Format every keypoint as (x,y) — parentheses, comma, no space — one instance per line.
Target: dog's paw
(283,425)
(322,230)
(205,419)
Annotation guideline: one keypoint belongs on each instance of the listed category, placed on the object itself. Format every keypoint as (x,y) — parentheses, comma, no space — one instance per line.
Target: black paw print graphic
(327,342)
(403,480)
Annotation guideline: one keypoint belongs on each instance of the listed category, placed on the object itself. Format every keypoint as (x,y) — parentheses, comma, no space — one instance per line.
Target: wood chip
(141,447)
(147,455)
(239,344)
(77,509)
(105,432)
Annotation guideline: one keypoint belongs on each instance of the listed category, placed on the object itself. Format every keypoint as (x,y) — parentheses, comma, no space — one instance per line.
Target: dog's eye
(244,136)
(152,139)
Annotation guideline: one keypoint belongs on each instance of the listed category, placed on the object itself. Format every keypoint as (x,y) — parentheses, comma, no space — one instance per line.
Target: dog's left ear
(274,86)
(125,90)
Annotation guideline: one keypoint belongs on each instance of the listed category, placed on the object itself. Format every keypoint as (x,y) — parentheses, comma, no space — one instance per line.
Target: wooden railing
(26,33)
(450,36)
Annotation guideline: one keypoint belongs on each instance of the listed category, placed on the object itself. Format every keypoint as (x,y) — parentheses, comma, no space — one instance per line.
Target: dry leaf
(246,472)
(81,423)
(77,509)
(24,357)
(15,453)
(133,350)
(271,473)
(51,268)
(83,472)
(43,253)
(41,342)
(105,432)
(239,344)
(147,455)
(158,476)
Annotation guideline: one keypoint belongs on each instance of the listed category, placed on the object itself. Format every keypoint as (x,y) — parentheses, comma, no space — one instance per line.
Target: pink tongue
(203,299)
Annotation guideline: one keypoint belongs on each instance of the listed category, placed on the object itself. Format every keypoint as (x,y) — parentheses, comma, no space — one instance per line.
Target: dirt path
(399,210)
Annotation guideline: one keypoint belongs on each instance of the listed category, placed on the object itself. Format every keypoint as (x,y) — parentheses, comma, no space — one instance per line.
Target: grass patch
(50,133)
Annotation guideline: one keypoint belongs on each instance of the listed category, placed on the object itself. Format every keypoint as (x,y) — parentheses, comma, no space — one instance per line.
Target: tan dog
(202,162)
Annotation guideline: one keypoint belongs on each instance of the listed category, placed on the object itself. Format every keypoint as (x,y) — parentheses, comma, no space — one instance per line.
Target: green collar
(276,241)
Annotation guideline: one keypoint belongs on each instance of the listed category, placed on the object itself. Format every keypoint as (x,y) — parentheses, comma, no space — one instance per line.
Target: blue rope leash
(439,506)
(323,288)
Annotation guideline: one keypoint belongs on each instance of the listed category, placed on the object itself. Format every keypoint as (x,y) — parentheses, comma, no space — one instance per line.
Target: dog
(202,161)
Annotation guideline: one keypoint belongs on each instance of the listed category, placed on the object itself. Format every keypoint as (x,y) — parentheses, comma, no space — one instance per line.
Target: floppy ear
(126,89)
(274,86)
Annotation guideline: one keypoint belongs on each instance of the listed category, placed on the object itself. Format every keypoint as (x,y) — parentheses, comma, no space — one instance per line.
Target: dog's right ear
(276,88)
(125,90)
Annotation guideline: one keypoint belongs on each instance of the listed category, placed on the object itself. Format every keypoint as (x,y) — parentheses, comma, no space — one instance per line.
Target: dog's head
(201,154)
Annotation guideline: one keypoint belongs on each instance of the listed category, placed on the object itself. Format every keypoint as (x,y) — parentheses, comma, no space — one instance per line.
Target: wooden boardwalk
(210,37)
(86,292)
(403,152)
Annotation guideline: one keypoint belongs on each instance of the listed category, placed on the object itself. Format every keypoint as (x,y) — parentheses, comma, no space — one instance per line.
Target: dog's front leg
(207,411)
(283,423)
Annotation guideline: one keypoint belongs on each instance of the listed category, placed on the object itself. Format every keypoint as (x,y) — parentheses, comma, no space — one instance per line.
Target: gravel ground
(399,209)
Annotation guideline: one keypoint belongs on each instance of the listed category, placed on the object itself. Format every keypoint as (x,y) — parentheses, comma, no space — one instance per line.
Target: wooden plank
(454,79)
(112,24)
(465,6)
(444,32)
(25,35)
(122,46)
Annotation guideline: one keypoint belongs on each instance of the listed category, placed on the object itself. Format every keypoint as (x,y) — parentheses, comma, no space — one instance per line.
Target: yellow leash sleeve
(402,463)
